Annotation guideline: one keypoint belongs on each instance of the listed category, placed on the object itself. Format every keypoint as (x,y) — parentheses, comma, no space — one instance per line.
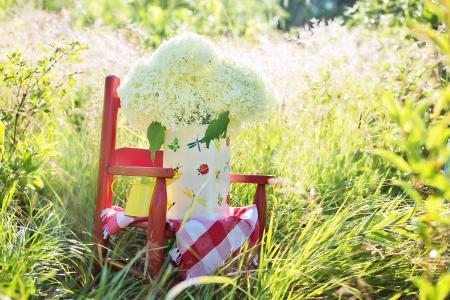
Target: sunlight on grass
(338,225)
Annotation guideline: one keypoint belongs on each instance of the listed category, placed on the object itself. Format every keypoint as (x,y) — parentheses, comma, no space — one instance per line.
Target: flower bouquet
(187,95)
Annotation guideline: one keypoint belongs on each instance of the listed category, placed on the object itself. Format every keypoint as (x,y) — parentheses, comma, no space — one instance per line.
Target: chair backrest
(111,157)
(125,156)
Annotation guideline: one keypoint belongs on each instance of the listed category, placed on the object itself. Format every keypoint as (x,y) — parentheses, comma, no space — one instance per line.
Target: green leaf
(432,35)
(428,291)
(2,130)
(443,286)
(437,135)
(37,182)
(393,158)
(366,223)
(392,107)
(382,236)
(217,128)
(409,189)
(180,287)
(155,135)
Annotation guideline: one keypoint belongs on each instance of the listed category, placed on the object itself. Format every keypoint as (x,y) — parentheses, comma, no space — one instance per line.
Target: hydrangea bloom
(187,82)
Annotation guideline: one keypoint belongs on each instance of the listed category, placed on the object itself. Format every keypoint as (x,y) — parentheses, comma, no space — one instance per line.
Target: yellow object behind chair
(139,199)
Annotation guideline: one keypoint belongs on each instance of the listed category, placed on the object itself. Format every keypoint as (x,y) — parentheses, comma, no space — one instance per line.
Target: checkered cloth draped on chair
(201,245)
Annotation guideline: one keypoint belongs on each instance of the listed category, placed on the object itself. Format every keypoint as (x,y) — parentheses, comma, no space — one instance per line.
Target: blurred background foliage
(159,19)
(392,13)
(300,12)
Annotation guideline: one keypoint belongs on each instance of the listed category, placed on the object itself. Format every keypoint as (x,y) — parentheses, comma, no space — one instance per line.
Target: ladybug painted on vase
(203,169)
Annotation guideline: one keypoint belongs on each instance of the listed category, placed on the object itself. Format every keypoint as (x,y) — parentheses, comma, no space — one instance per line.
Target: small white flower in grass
(433,254)
(312,192)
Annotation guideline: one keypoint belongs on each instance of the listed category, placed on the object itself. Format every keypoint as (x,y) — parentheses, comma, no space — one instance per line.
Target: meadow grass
(337,227)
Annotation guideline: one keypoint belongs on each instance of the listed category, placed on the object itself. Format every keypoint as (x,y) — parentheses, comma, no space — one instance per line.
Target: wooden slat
(141,171)
(136,157)
(257,179)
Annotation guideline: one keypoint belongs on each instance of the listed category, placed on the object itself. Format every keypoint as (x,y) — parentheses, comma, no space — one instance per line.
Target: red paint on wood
(257,179)
(136,157)
(107,144)
(156,227)
(260,201)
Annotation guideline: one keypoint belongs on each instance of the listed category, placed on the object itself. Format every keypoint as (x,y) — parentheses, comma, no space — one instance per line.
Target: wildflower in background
(433,254)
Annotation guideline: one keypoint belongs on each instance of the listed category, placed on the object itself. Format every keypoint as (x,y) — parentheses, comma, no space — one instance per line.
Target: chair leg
(260,201)
(104,200)
(111,105)
(156,228)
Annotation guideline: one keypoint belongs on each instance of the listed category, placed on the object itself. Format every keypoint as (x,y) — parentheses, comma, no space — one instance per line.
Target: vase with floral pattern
(201,183)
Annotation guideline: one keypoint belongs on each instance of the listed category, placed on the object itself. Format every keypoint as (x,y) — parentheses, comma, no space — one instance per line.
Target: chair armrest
(257,179)
(141,171)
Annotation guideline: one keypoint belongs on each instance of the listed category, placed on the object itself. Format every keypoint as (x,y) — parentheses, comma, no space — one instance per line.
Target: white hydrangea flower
(243,92)
(187,82)
(188,54)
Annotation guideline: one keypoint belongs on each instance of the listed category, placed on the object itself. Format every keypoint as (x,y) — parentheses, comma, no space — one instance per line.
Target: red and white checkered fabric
(201,245)
(204,245)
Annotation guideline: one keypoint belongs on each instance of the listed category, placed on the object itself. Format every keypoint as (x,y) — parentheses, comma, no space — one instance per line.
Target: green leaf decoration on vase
(155,135)
(219,199)
(217,128)
(174,146)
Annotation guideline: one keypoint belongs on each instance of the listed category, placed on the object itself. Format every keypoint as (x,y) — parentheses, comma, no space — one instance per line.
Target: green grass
(352,236)
(337,227)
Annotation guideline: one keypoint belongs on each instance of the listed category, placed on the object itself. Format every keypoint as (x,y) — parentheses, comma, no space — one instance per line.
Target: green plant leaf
(383,236)
(2,130)
(438,39)
(439,291)
(393,158)
(217,128)
(155,135)
(409,189)
(443,286)
(437,135)
(180,287)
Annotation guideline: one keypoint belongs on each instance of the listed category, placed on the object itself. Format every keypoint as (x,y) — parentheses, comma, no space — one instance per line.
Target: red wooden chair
(136,162)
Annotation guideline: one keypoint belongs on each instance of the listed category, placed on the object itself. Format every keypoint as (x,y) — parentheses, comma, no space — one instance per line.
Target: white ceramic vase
(201,185)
